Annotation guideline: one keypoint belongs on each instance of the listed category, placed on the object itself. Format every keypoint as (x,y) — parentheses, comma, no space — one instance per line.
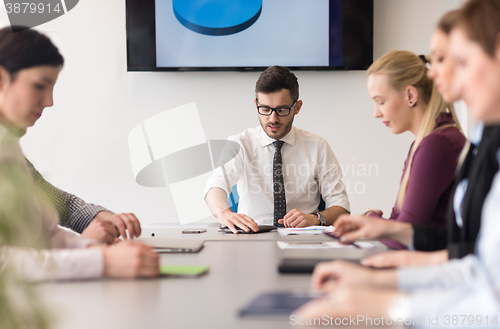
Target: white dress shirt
(67,256)
(467,286)
(309,169)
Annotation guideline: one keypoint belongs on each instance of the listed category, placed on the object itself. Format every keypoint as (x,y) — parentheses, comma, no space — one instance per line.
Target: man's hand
(102,230)
(121,223)
(296,218)
(232,219)
(406,258)
(351,228)
(130,260)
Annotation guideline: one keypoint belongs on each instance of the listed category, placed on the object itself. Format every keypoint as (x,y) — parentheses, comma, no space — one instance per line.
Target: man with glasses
(281,171)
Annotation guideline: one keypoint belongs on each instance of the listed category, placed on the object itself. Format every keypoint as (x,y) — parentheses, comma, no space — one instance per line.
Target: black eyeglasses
(280,111)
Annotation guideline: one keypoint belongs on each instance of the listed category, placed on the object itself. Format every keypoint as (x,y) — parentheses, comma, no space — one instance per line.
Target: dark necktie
(278,185)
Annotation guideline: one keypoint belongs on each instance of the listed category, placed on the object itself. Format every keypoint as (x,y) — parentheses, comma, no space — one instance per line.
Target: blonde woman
(424,238)
(407,100)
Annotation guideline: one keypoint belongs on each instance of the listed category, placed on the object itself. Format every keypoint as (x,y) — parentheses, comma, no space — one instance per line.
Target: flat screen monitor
(249,35)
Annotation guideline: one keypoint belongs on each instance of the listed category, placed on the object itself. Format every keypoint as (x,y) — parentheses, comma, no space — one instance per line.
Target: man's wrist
(104,214)
(223,212)
(317,219)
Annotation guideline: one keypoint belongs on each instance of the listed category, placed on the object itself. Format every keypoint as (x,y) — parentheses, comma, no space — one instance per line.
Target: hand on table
(102,230)
(329,275)
(106,227)
(349,301)
(232,219)
(130,259)
(296,218)
(405,258)
(351,228)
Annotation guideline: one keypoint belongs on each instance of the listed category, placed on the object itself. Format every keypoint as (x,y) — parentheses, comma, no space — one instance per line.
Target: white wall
(80,144)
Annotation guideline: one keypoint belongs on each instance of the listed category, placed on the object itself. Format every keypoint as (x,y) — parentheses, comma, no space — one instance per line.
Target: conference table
(242,267)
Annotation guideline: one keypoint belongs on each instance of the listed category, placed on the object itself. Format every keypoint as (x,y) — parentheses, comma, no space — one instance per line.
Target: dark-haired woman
(29,68)
(30,49)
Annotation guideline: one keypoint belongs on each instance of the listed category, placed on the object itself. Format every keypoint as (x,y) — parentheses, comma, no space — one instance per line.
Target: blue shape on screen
(234,199)
(217,17)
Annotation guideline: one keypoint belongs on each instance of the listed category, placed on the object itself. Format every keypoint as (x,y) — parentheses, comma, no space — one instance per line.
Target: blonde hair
(404,69)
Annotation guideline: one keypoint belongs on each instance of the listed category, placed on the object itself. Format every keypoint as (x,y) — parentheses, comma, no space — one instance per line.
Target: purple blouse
(431,178)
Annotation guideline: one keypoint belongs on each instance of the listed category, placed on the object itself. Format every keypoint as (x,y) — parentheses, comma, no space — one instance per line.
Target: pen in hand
(333,236)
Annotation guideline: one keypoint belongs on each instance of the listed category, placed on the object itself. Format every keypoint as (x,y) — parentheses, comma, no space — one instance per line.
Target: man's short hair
(276,78)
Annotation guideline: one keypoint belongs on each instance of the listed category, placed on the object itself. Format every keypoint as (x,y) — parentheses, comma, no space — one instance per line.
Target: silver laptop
(174,245)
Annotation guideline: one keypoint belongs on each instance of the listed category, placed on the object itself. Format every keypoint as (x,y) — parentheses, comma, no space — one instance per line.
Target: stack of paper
(322,245)
(310,230)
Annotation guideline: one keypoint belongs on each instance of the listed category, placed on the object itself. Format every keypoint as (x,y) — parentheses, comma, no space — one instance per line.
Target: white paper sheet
(322,245)
(310,230)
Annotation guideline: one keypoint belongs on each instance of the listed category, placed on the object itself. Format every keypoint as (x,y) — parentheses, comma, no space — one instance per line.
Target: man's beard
(287,129)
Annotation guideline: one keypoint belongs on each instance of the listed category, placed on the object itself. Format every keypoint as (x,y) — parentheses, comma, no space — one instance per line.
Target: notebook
(183,271)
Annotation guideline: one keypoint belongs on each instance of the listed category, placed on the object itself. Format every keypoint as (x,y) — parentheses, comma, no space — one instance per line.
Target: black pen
(335,237)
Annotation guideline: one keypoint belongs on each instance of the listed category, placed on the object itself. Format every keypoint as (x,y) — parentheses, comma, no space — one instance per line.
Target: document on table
(310,230)
(322,245)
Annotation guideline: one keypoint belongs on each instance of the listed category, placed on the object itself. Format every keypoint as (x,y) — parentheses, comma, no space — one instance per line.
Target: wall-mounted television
(249,35)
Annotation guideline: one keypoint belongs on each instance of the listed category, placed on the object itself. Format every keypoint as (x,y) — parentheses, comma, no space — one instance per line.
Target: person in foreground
(29,68)
(461,292)
(406,100)
(281,171)
(92,221)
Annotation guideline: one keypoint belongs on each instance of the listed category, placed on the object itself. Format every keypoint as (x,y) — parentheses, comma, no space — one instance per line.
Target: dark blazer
(479,167)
